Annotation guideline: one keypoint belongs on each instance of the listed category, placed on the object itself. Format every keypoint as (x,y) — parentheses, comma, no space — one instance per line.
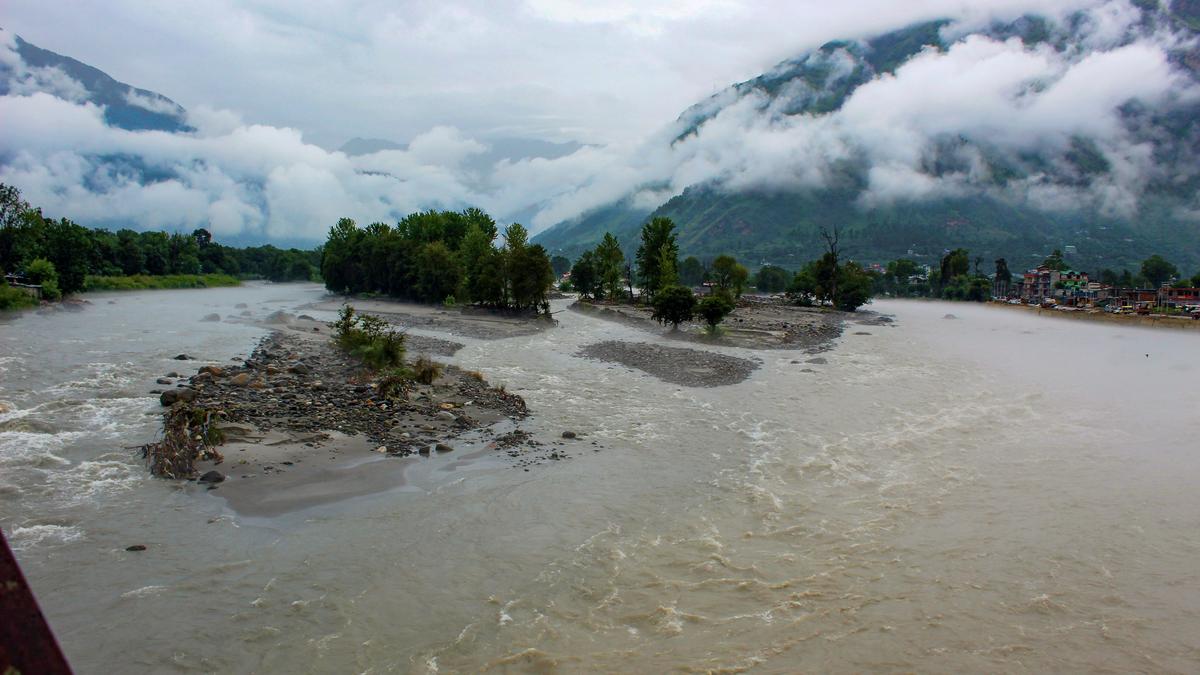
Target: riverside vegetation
(446,257)
(666,284)
(64,257)
(959,276)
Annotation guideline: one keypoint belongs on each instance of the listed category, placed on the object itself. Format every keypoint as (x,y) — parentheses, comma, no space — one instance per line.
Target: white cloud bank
(265,181)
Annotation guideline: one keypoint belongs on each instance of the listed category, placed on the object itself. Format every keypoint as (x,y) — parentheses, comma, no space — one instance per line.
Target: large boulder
(240,380)
(212,477)
(215,371)
(171,396)
(211,317)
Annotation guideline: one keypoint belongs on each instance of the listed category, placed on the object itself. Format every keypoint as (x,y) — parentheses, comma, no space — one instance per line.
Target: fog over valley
(991,111)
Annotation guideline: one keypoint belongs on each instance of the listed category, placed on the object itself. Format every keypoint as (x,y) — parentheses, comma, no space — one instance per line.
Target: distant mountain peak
(1024,134)
(26,68)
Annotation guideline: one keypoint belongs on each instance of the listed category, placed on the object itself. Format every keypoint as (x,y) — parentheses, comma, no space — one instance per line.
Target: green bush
(714,309)
(41,271)
(50,290)
(12,298)
(141,282)
(369,338)
(674,305)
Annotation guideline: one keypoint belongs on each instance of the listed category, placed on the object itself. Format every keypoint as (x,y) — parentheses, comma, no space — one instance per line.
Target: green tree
(668,264)
(772,279)
(853,288)
(561,265)
(483,221)
(156,248)
(516,238)
(609,263)
(339,260)
(897,278)
(531,277)
(729,275)
(12,206)
(691,271)
(488,281)
(823,281)
(806,289)
(674,305)
(902,269)
(69,247)
(1055,261)
(475,251)
(714,308)
(1158,271)
(183,254)
(23,236)
(527,268)
(438,272)
(585,277)
(1196,280)
(41,271)
(103,259)
(955,263)
(202,236)
(1003,276)
(658,254)
(130,257)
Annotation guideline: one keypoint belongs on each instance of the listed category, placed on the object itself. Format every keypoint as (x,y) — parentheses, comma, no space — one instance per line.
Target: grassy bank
(13,298)
(141,282)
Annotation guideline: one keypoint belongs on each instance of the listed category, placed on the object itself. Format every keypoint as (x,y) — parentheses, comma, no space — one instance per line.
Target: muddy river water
(990,492)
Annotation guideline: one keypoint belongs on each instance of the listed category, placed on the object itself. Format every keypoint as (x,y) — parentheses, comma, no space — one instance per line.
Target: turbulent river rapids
(991,491)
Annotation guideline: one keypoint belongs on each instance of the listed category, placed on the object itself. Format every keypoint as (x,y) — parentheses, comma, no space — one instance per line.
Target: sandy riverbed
(757,323)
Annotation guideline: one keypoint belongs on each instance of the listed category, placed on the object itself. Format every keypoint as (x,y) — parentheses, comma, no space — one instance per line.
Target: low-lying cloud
(982,95)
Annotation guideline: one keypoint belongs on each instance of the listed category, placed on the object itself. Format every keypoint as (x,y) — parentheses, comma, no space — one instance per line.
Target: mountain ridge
(125,106)
(780,223)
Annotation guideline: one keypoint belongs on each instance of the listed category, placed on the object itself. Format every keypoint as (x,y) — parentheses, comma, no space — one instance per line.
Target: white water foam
(24,538)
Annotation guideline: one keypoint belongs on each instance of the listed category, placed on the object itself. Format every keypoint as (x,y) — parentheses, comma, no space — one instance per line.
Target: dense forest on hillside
(783,228)
(1019,202)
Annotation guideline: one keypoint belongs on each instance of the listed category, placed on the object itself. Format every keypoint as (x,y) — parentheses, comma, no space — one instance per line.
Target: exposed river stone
(316,387)
(170,396)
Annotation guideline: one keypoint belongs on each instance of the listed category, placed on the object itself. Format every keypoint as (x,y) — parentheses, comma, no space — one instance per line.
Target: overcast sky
(585,70)
(272,85)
